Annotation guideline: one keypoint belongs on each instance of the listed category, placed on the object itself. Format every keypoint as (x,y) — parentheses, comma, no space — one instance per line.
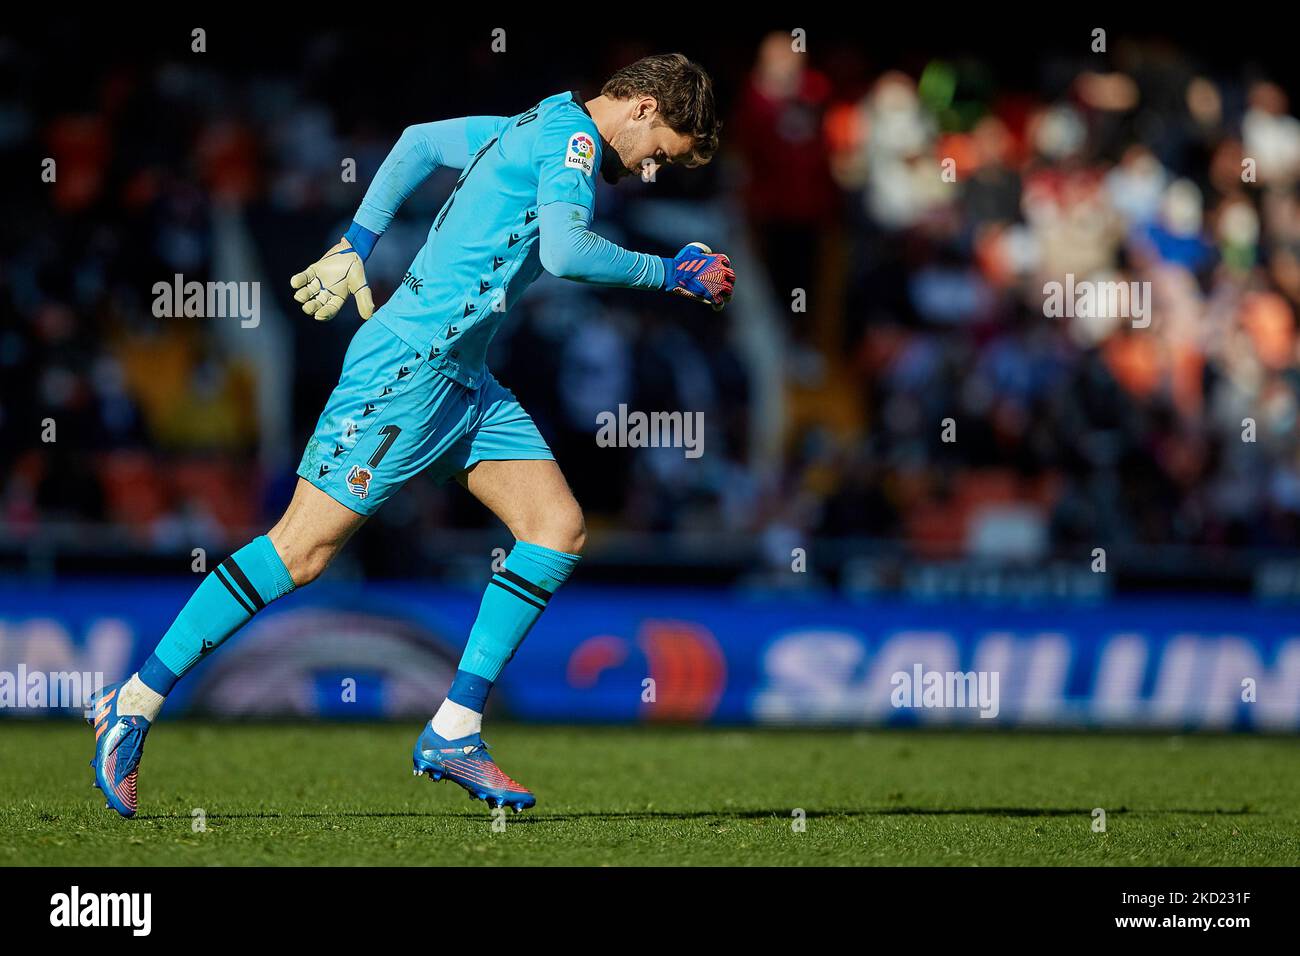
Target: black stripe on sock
(233,593)
(240,578)
(523,597)
(526,585)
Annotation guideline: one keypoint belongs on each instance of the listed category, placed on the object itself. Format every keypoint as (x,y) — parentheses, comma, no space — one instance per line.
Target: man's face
(643,144)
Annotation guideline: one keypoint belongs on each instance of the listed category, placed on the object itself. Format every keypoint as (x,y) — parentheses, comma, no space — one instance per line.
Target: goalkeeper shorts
(391,416)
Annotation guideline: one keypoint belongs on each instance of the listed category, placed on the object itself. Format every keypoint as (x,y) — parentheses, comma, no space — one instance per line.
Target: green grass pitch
(343,795)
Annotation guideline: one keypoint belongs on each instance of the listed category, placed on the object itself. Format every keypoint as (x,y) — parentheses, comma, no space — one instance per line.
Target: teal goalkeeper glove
(325,285)
(699,273)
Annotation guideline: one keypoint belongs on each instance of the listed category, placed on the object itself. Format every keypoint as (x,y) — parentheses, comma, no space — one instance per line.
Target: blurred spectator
(790,201)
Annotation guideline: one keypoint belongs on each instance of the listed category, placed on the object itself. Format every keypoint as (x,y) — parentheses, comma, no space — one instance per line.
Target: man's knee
(305,562)
(312,530)
(577,531)
(560,529)
(305,555)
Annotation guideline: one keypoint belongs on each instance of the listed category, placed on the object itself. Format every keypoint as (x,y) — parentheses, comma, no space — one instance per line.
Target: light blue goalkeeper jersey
(521,175)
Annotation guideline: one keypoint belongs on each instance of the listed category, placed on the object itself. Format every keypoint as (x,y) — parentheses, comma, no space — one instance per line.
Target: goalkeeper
(414,393)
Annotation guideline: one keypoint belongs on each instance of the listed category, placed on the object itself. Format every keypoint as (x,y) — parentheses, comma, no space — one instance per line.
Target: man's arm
(417,153)
(565,155)
(570,250)
(324,286)
(566,199)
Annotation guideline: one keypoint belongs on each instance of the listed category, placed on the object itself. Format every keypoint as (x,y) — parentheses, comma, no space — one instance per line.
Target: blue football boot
(466,761)
(119,745)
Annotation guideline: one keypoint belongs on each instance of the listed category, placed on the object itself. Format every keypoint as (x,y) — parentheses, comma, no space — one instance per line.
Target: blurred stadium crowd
(898,297)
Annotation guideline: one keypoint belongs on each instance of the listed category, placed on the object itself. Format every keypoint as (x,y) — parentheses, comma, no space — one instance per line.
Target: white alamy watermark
(1089,299)
(208,300)
(75,908)
(625,429)
(946,689)
(48,690)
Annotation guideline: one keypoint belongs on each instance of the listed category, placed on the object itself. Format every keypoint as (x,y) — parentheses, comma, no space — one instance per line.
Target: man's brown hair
(683,91)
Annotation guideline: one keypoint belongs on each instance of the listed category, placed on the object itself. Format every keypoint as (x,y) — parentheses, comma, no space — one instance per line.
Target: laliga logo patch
(359,481)
(581,153)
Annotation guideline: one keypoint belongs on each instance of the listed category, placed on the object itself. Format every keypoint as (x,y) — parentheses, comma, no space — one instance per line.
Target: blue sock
(514,599)
(470,690)
(233,592)
(157,676)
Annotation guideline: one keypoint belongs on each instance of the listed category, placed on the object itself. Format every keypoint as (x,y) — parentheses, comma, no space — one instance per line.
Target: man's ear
(644,107)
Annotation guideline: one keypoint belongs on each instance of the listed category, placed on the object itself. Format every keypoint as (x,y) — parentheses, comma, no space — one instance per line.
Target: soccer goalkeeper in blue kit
(414,393)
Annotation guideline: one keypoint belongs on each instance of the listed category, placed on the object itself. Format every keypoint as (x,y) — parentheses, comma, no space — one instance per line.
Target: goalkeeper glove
(698,272)
(325,285)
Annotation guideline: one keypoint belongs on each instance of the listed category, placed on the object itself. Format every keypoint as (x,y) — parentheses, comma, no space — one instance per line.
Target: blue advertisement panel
(626,655)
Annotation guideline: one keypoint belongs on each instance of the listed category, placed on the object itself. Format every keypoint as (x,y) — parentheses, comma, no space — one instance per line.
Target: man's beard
(611,163)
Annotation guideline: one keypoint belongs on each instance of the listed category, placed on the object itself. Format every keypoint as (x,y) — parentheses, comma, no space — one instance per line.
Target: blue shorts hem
(363,506)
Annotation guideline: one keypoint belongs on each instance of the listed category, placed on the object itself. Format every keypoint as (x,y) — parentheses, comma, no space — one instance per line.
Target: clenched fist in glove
(698,272)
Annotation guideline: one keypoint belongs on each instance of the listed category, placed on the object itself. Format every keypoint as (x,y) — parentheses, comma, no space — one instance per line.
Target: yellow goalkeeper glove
(325,285)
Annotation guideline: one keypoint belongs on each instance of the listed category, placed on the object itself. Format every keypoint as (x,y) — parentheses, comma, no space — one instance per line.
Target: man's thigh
(312,530)
(530,497)
(499,430)
(389,417)
(505,463)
